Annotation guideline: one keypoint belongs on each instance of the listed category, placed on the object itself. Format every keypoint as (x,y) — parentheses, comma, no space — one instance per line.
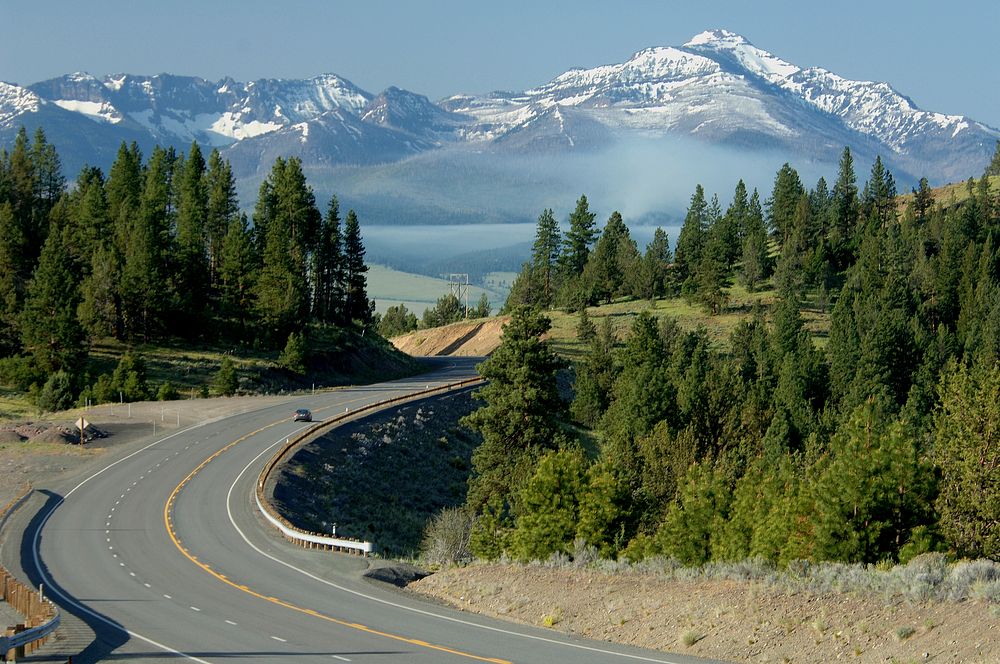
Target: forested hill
(879,444)
(156,250)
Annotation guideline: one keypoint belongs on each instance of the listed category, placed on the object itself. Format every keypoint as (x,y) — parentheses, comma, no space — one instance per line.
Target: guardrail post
(18,651)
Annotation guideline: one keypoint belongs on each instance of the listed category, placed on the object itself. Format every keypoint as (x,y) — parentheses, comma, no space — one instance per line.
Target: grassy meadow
(390,287)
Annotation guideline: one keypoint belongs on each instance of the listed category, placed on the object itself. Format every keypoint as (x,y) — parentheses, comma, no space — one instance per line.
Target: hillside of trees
(157,251)
(879,445)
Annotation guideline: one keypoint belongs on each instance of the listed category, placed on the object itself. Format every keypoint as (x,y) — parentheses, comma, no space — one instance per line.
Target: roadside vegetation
(148,282)
(811,377)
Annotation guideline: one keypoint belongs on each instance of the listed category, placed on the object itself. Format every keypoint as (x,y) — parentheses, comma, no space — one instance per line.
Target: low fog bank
(457,209)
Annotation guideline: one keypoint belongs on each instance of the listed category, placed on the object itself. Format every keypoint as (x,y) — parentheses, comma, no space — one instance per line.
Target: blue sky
(941,55)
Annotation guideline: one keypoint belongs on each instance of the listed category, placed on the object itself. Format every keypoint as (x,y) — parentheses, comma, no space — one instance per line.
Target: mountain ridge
(717,88)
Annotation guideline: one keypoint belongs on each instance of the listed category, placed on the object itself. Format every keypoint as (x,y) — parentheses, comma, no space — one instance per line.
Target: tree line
(158,249)
(448,309)
(880,445)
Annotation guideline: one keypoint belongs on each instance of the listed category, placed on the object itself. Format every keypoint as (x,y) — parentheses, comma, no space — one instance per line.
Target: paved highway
(157,555)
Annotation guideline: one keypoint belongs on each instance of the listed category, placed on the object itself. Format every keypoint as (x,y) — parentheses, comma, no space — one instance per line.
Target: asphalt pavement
(143,578)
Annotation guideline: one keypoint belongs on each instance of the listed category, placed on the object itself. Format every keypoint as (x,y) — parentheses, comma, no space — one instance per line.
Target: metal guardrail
(317,540)
(24,638)
(321,540)
(23,643)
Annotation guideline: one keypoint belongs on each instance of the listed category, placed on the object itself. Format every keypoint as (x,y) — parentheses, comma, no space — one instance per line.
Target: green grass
(14,405)
(689,316)
(947,195)
(390,287)
(338,358)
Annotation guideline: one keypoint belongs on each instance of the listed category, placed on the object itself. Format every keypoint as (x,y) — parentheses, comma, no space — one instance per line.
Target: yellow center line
(274,600)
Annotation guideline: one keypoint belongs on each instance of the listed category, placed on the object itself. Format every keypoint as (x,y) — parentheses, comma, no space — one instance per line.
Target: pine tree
(50,330)
(586,331)
(642,396)
(614,257)
(878,201)
(89,225)
(691,239)
(993,169)
(595,376)
(784,201)
(967,453)
(870,493)
(142,297)
(397,320)
(12,253)
(604,510)
(191,271)
(756,262)
(222,209)
(549,506)
(49,187)
(711,274)
(518,420)
(545,254)
(790,274)
(579,239)
(357,307)
(295,353)
(697,517)
(100,309)
(124,184)
(923,200)
(482,308)
(845,211)
(226,382)
(237,270)
(650,280)
(287,212)
(328,271)
(280,291)
(733,230)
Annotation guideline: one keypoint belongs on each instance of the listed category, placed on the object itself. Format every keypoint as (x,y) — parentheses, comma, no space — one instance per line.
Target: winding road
(159,553)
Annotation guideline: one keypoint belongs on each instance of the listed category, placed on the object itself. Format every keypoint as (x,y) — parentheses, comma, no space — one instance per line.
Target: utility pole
(458,285)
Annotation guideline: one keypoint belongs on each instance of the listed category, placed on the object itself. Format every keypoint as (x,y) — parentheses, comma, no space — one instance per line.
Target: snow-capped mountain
(721,88)
(717,88)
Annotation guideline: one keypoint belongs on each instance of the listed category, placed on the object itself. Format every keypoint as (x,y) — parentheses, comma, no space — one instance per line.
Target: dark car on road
(302,415)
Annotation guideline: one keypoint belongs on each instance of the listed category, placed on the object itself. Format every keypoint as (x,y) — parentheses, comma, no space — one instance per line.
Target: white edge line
(54,590)
(431,614)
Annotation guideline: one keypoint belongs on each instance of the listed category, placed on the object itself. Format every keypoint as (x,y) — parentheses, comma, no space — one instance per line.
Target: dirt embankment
(469,339)
(736,621)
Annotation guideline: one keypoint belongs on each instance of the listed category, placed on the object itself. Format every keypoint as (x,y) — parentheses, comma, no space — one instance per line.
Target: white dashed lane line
(230,622)
(278,638)
(343,659)
(194,608)
(168,596)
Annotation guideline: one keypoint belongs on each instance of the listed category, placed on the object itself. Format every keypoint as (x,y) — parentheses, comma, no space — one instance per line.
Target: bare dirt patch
(468,339)
(728,620)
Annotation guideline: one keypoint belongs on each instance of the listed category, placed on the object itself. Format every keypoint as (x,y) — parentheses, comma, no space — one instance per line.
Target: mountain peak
(718,37)
(737,48)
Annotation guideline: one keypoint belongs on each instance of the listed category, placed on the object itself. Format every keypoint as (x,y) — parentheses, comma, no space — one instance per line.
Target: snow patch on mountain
(15,101)
(230,126)
(753,59)
(98,111)
(114,84)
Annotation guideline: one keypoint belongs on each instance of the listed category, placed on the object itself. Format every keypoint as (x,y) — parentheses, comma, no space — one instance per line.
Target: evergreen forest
(156,251)
(875,443)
